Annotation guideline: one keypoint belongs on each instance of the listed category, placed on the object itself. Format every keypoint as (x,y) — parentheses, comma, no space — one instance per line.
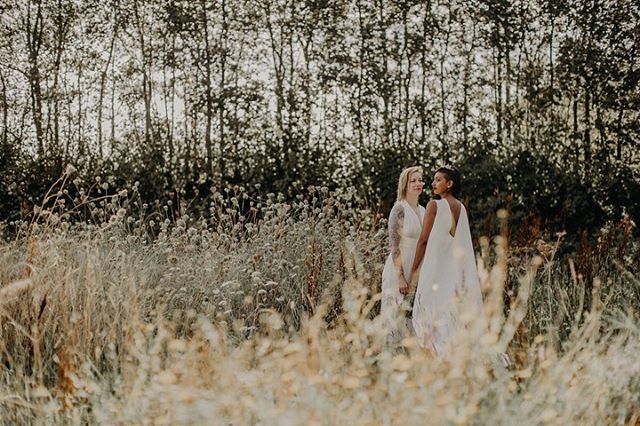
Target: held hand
(403,286)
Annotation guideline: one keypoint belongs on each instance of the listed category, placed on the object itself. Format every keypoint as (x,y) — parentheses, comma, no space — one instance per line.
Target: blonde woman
(405,224)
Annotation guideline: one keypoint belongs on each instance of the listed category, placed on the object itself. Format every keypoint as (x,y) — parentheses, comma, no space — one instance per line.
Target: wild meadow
(265,311)
(226,267)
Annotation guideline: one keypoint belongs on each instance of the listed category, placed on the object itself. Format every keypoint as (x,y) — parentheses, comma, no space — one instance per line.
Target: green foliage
(536,102)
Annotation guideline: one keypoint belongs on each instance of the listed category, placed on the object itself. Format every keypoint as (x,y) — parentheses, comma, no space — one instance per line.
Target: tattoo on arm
(396,219)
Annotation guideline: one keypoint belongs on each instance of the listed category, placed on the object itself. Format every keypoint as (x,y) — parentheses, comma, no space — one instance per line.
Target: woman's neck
(413,201)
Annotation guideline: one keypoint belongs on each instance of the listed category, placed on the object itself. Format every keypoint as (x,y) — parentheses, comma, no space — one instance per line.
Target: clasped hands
(404,285)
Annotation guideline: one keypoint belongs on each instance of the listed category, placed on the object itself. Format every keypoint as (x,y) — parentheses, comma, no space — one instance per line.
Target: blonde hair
(404,180)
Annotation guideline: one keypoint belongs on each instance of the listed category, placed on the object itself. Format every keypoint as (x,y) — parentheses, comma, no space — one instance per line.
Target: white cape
(448,285)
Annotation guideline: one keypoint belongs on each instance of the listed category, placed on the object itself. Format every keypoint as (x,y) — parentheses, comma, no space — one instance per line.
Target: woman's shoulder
(398,208)
(432,207)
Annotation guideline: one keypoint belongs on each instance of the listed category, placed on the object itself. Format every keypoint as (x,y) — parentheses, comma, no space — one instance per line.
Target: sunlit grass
(267,313)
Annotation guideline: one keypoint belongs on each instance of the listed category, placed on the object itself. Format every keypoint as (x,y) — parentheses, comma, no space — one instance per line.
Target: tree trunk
(81,141)
(385,93)
(146,79)
(507,81)
(209,96)
(466,85)
(426,24)
(222,91)
(574,134)
(278,68)
(498,89)
(34,42)
(552,124)
(5,111)
(407,84)
(60,37)
(103,80)
(360,81)
(620,138)
(587,129)
(113,103)
(443,106)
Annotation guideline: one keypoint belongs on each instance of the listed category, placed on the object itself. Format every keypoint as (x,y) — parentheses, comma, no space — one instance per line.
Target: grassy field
(267,314)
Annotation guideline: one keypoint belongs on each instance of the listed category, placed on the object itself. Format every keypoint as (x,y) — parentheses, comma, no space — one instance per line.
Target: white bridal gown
(448,284)
(405,225)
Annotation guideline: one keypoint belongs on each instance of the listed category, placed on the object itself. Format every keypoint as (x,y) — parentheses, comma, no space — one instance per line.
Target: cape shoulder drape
(448,283)
(405,225)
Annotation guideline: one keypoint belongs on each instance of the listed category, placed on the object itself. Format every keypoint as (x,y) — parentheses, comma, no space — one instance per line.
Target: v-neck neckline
(453,219)
(416,212)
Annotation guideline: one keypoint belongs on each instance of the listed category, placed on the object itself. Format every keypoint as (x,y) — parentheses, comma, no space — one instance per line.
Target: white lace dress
(405,225)
(448,284)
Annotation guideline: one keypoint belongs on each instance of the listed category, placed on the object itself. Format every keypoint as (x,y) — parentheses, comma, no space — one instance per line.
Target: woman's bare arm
(396,220)
(427,225)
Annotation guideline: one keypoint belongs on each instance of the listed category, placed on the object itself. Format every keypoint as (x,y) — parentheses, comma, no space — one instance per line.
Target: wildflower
(69,170)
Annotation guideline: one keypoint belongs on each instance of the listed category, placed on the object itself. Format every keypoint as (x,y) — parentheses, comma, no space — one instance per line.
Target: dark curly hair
(453,175)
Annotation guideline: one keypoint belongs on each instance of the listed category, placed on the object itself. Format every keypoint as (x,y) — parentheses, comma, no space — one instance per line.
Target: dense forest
(537,102)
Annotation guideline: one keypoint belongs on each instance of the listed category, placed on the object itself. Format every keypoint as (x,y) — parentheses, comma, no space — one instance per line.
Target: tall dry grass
(267,314)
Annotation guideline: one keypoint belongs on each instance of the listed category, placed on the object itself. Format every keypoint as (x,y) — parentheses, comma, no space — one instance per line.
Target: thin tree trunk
(276,52)
(551,66)
(113,103)
(507,81)
(223,94)
(498,88)
(146,82)
(5,111)
(466,85)
(443,105)
(209,97)
(103,80)
(61,33)
(575,132)
(407,83)
(423,86)
(34,42)
(385,95)
(81,142)
(361,64)
(587,128)
(307,43)
(620,138)
(235,125)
